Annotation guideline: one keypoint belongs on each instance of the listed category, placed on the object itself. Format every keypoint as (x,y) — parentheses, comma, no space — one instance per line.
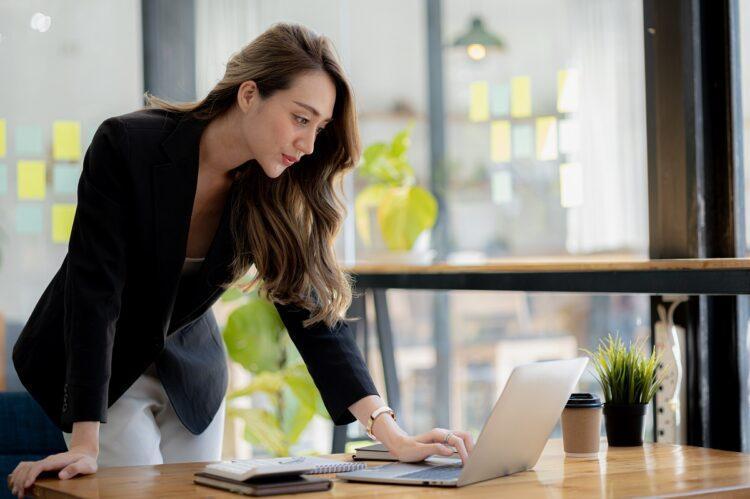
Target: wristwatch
(375,414)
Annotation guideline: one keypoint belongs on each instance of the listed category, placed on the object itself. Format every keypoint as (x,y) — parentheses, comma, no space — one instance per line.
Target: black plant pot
(624,423)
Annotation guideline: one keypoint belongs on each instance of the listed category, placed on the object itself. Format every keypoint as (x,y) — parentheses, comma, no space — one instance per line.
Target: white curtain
(222,27)
(608,36)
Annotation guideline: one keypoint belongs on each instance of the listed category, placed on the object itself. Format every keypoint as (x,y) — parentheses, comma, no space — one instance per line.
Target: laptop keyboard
(447,472)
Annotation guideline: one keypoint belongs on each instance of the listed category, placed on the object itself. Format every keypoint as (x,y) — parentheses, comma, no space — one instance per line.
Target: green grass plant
(625,375)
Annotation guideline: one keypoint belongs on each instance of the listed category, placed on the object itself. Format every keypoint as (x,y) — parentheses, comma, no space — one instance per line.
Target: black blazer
(118,295)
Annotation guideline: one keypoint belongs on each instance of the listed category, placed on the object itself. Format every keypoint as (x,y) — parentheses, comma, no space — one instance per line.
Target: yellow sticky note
(479,109)
(500,141)
(567,90)
(520,97)
(546,138)
(66,140)
(3,139)
(571,185)
(62,221)
(32,179)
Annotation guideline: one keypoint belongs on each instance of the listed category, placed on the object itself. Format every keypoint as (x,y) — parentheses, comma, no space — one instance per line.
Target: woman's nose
(306,143)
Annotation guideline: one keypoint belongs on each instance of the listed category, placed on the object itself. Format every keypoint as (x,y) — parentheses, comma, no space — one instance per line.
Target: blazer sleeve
(333,359)
(95,276)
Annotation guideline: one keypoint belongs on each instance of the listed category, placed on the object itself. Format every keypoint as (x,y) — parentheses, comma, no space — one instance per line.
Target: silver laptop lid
(523,418)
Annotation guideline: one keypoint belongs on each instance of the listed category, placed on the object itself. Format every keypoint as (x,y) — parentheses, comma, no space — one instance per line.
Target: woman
(176,202)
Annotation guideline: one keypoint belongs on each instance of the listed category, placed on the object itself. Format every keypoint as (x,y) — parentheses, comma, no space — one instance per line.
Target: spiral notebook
(244,469)
(325,465)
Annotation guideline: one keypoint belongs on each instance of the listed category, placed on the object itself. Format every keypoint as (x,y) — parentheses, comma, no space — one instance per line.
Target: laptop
(513,436)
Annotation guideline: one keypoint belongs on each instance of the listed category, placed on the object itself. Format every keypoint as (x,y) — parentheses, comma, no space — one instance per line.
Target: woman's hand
(437,441)
(77,461)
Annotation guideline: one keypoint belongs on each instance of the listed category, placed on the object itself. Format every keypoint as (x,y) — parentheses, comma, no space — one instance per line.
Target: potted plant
(404,211)
(629,381)
(256,338)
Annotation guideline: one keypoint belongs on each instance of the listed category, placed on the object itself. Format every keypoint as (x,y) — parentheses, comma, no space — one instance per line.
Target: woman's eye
(301,120)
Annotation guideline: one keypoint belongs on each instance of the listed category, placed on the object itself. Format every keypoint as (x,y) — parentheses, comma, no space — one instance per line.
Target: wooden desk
(651,470)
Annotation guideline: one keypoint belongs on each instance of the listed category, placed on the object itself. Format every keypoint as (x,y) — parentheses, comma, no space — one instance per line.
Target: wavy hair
(286,226)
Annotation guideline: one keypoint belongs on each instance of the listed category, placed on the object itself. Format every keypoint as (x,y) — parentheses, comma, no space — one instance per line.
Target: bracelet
(375,414)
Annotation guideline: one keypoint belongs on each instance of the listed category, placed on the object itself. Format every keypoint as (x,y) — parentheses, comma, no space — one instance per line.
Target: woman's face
(280,129)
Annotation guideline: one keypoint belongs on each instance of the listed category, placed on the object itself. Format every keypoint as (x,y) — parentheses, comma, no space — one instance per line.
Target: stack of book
(265,477)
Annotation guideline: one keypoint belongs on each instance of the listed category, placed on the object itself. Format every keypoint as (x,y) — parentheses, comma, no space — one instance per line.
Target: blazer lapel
(174,187)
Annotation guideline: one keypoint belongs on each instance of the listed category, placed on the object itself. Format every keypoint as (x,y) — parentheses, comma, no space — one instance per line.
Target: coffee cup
(581,424)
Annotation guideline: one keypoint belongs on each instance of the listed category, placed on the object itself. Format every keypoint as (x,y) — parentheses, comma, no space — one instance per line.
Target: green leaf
(624,374)
(298,379)
(262,428)
(267,382)
(296,416)
(404,214)
(401,142)
(231,294)
(253,336)
(369,197)
(374,151)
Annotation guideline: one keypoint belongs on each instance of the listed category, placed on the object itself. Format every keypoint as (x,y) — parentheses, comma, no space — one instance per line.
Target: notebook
(265,486)
(244,469)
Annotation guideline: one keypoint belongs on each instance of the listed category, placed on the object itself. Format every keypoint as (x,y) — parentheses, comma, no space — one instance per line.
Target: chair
(26,434)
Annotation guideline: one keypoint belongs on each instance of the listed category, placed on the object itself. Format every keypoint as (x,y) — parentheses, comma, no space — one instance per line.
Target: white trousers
(142,428)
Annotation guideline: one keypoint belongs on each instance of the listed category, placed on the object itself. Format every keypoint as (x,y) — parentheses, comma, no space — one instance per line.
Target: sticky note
(66,140)
(502,187)
(499,100)
(500,141)
(571,185)
(546,138)
(520,94)
(29,141)
(29,218)
(479,109)
(569,136)
(32,179)
(522,137)
(3,179)
(62,222)
(65,178)
(567,90)
(3,139)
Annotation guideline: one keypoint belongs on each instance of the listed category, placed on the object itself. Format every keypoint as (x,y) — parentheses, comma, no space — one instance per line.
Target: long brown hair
(286,226)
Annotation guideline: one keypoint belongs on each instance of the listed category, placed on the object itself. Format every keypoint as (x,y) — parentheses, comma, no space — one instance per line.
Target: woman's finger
(80,467)
(19,474)
(434,435)
(438,449)
(457,442)
(49,463)
(467,438)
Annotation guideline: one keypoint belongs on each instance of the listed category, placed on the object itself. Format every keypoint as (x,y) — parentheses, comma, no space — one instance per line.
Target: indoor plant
(404,211)
(629,381)
(256,338)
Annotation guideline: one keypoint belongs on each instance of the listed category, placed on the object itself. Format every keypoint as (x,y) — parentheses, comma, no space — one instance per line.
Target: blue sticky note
(523,139)
(500,100)
(29,142)
(29,218)
(3,179)
(65,178)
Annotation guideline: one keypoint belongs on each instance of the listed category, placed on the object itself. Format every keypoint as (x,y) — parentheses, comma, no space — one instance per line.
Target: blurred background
(527,125)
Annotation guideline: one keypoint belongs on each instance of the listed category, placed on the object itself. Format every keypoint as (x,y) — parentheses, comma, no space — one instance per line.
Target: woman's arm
(80,459)
(405,447)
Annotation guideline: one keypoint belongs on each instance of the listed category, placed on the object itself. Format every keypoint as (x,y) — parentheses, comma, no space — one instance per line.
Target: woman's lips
(288,160)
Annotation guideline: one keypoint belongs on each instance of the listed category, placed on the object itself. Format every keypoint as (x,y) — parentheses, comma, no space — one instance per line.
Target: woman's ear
(247,95)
